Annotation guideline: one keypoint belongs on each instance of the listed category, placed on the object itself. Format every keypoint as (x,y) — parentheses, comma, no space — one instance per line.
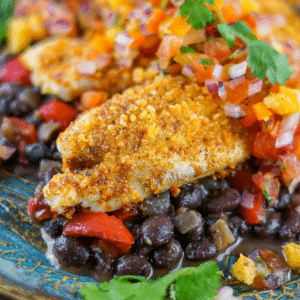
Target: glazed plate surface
(25,272)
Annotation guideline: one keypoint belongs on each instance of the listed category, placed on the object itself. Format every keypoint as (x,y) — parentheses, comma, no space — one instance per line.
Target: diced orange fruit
(179,26)
(157,18)
(100,44)
(92,99)
(261,111)
(244,270)
(138,39)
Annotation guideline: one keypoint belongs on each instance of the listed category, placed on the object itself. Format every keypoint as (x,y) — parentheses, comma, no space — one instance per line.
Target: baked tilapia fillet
(153,137)
(59,67)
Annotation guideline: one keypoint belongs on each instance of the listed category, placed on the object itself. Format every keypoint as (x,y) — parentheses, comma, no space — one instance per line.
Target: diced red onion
(264,26)
(279,21)
(6,152)
(188,71)
(144,31)
(237,70)
(255,87)
(123,39)
(217,72)
(177,3)
(294,184)
(212,86)
(86,68)
(247,200)
(235,82)
(85,6)
(60,27)
(287,130)
(233,111)
(125,62)
(222,91)
(102,60)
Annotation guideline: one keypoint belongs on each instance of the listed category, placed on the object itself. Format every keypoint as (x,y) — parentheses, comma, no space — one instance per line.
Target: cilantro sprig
(263,59)
(198,283)
(6,8)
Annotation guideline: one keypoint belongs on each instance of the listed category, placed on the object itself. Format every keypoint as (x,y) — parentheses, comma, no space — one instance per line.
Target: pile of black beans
(23,102)
(169,228)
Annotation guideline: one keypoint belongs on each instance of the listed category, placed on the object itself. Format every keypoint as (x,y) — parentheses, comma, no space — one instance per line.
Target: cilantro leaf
(241,28)
(184,49)
(188,283)
(6,8)
(196,11)
(227,33)
(265,61)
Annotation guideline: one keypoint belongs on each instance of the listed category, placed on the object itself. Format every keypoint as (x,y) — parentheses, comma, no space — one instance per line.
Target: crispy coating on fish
(147,140)
(54,65)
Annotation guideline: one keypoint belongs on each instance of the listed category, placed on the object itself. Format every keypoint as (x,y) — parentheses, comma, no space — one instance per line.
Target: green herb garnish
(196,11)
(184,49)
(263,59)
(197,283)
(266,191)
(282,167)
(206,62)
(6,9)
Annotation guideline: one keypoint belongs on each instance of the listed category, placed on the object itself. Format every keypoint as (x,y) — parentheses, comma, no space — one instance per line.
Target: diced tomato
(126,213)
(269,185)
(272,259)
(290,168)
(252,208)
(217,48)
(296,146)
(264,146)
(56,111)
(250,116)
(38,209)
(14,71)
(204,67)
(243,181)
(103,226)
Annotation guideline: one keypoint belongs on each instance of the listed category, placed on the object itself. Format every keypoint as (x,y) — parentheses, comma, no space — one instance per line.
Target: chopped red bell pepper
(126,214)
(102,226)
(252,208)
(38,209)
(14,71)
(56,111)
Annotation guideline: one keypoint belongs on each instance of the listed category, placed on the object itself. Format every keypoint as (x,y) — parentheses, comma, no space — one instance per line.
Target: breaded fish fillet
(147,140)
(54,67)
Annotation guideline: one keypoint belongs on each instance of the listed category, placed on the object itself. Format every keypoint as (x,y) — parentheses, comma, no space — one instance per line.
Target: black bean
(54,227)
(50,173)
(189,196)
(229,201)
(144,250)
(71,250)
(205,249)
(169,255)
(291,227)
(238,226)
(10,90)
(157,205)
(134,265)
(195,234)
(34,118)
(5,107)
(18,108)
(30,97)
(36,152)
(283,200)
(210,184)
(156,230)
(270,227)
(103,262)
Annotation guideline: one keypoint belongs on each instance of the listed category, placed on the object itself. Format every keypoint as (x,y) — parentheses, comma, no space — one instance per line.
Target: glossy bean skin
(71,251)
(133,265)
(103,262)
(54,227)
(291,227)
(156,230)
(270,227)
(229,201)
(169,255)
(284,199)
(238,226)
(36,152)
(205,249)
(190,197)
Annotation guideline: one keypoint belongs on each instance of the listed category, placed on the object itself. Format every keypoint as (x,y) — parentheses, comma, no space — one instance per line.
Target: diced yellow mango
(164,27)
(261,111)
(186,58)
(244,270)
(249,6)
(36,24)
(282,104)
(115,4)
(19,35)
(292,254)
(111,33)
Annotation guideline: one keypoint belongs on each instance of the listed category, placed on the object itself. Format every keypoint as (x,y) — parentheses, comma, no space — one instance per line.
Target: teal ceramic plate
(25,272)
